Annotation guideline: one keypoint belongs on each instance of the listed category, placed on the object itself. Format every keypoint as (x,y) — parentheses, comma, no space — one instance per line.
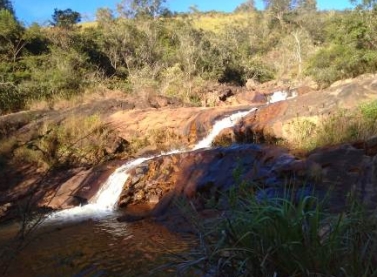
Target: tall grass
(279,237)
(75,141)
(340,127)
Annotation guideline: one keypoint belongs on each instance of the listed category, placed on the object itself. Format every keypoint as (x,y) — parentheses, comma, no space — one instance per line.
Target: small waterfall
(281,95)
(219,126)
(107,196)
(105,200)
(278,96)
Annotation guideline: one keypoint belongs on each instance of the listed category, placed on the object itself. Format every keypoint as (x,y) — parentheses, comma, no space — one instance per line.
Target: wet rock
(268,170)
(167,127)
(79,188)
(131,217)
(208,171)
(279,120)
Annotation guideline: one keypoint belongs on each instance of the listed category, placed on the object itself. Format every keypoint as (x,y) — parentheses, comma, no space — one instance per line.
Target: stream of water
(105,201)
(88,240)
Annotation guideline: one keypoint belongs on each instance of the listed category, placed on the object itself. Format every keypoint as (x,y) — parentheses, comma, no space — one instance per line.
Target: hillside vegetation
(261,225)
(147,47)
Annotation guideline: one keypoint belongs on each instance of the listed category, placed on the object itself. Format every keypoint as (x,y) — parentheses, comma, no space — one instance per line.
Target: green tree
(11,33)
(248,6)
(365,4)
(277,5)
(141,8)
(307,5)
(7,5)
(65,18)
(349,50)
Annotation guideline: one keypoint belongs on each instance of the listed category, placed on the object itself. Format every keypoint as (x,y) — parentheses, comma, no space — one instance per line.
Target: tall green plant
(279,237)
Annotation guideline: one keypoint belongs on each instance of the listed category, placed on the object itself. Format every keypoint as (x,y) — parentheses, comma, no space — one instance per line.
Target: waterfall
(281,95)
(106,198)
(219,126)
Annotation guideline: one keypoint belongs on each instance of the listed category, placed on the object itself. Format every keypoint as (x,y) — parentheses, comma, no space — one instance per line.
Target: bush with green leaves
(140,48)
(59,73)
(349,50)
(340,62)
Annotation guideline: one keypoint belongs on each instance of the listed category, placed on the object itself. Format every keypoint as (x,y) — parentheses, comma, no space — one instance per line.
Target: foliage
(351,49)
(10,36)
(282,237)
(342,126)
(58,73)
(76,141)
(65,18)
(11,98)
(141,49)
(6,5)
(141,8)
(369,111)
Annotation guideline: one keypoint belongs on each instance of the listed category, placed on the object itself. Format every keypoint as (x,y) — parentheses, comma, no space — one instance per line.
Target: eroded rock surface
(267,171)
(280,120)
(204,174)
(169,127)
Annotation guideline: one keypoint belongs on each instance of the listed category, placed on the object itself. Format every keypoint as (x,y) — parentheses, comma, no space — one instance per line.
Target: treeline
(146,46)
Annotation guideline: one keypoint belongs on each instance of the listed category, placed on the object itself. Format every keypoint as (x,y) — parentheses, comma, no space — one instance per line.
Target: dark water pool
(96,247)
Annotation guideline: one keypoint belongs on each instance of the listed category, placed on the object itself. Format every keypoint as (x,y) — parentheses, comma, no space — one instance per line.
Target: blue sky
(40,11)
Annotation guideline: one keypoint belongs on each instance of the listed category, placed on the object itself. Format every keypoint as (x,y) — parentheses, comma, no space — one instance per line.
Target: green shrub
(350,51)
(369,111)
(11,98)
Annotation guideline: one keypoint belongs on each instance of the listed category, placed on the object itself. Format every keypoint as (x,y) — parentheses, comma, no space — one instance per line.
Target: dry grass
(75,141)
(216,22)
(156,140)
(343,126)
(92,24)
(89,96)
(209,22)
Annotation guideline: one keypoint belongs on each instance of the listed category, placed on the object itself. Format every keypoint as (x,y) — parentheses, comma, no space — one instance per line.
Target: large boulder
(168,128)
(267,171)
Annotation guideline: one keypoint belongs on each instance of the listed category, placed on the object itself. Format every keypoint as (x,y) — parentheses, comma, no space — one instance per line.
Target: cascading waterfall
(105,201)
(113,185)
(106,198)
(219,126)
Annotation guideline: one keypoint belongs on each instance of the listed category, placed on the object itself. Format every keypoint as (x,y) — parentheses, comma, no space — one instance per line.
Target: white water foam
(107,197)
(277,96)
(282,95)
(219,126)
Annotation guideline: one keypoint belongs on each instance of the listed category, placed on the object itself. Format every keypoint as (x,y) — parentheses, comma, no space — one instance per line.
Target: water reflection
(98,248)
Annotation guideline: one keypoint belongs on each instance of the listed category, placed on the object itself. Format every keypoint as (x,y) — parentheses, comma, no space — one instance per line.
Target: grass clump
(75,141)
(340,127)
(281,237)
